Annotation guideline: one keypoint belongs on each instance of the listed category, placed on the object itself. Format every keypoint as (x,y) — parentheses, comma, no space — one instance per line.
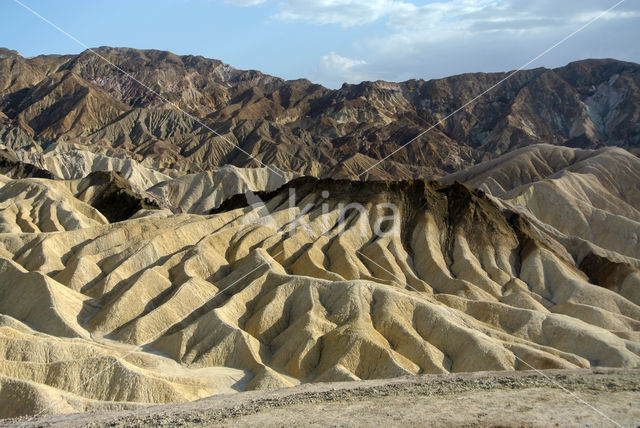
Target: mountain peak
(8,53)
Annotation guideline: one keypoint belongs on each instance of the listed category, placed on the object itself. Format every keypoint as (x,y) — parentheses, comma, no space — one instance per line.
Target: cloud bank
(409,39)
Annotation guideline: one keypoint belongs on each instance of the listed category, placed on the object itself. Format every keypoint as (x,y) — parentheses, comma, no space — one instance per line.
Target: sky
(336,41)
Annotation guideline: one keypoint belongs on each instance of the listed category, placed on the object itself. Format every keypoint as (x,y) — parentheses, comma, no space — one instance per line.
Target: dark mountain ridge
(304,127)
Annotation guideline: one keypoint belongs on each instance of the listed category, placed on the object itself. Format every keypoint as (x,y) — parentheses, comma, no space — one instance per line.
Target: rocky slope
(142,260)
(165,307)
(509,399)
(302,127)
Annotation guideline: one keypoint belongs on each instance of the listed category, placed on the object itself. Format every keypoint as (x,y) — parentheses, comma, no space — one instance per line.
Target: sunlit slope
(588,199)
(458,284)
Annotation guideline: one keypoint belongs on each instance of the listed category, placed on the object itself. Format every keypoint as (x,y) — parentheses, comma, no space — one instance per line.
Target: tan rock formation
(176,307)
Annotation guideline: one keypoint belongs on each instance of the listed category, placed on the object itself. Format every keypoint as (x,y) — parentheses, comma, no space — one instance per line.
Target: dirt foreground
(598,397)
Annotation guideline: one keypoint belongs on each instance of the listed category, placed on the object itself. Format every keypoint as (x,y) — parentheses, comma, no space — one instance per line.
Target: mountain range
(193,113)
(144,259)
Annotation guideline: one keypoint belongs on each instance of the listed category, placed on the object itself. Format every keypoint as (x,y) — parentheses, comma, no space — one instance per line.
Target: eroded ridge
(163,307)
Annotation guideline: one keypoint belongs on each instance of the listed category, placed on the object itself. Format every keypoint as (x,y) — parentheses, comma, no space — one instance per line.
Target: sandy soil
(600,397)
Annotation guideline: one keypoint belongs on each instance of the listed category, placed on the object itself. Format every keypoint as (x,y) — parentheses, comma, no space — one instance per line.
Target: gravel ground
(599,397)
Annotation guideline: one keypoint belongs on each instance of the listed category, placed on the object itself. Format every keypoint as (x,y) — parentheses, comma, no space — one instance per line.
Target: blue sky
(332,41)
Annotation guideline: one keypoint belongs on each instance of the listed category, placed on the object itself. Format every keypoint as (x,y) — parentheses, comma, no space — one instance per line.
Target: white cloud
(347,13)
(405,15)
(407,39)
(479,22)
(245,2)
(343,69)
